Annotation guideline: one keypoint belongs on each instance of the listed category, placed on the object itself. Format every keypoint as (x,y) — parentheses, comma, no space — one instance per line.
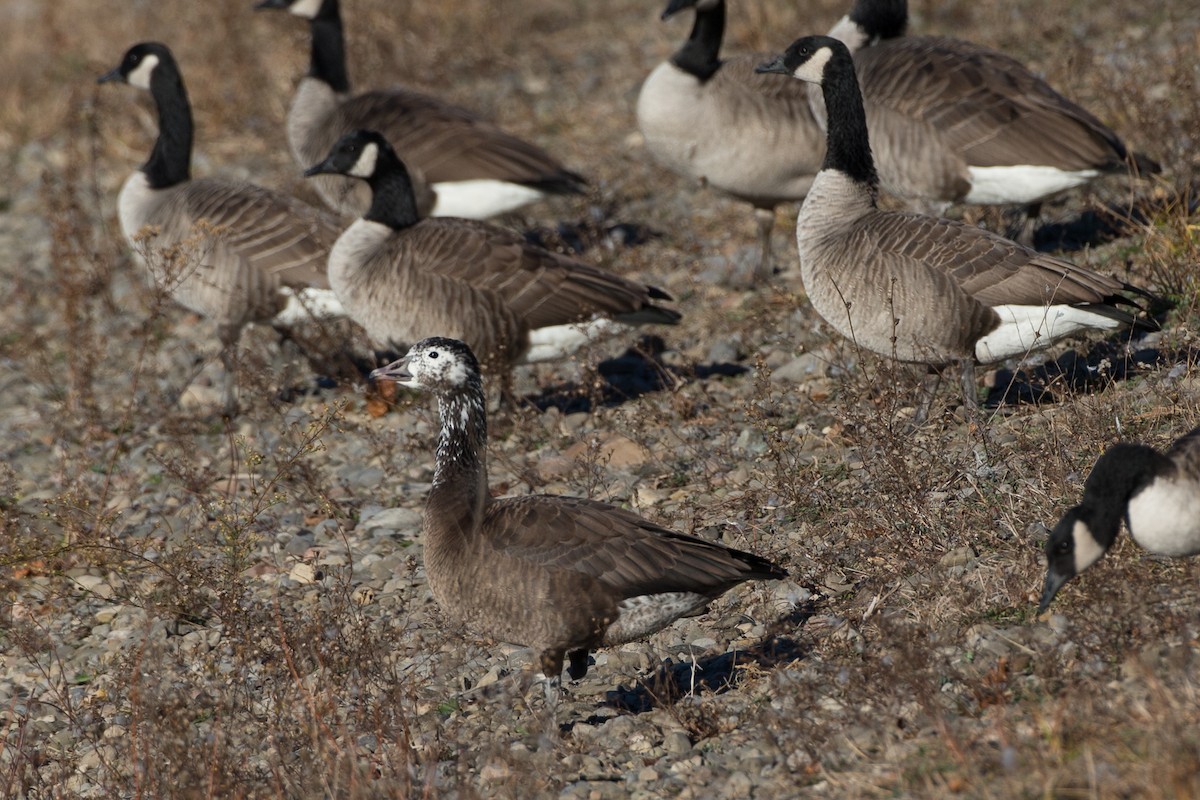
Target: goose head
(436,364)
(309,9)
(139,64)
(806,58)
(1071,548)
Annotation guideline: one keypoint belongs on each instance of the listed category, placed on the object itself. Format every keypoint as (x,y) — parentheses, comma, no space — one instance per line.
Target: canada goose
(956,122)
(715,120)
(1158,495)
(562,575)
(918,288)
(462,166)
(234,252)
(402,277)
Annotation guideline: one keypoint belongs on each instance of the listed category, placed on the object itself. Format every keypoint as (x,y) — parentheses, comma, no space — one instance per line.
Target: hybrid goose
(956,122)
(918,288)
(462,166)
(403,278)
(1157,494)
(234,252)
(562,575)
(719,122)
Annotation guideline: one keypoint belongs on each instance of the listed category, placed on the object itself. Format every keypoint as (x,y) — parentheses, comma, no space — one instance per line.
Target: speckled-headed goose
(952,121)
(462,166)
(1157,494)
(715,120)
(404,278)
(562,575)
(234,252)
(918,288)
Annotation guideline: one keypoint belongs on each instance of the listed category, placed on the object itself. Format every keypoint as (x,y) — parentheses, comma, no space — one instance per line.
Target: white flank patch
(480,199)
(140,77)
(133,204)
(559,341)
(1087,550)
(1021,184)
(1164,517)
(305,8)
(1024,329)
(813,70)
(365,166)
(308,304)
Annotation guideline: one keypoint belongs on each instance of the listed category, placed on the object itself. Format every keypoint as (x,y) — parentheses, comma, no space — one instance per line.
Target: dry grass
(921,548)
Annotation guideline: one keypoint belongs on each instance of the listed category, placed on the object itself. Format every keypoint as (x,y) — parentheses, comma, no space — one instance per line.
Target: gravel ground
(197,608)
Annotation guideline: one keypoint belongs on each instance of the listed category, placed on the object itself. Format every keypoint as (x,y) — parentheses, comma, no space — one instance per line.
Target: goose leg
(552,665)
(1029,224)
(765,217)
(578,664)
(926,393)
(229,335)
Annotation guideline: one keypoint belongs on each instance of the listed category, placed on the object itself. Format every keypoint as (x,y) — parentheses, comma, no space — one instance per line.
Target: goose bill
(396,371)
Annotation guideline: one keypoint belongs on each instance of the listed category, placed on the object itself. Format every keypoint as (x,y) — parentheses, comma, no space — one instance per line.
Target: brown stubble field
(200,609)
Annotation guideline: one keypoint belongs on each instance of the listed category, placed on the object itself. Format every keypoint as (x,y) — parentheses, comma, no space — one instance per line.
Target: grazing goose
(462,166)
(402,277)
(562,575)
(234,252)
(715,120)
(917,288)
(1157,494)
(952,121)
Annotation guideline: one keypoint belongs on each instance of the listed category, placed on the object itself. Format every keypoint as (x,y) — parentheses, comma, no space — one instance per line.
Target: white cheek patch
(1087,549)
(140,77)
(365,166)
(305,8)
(813,70)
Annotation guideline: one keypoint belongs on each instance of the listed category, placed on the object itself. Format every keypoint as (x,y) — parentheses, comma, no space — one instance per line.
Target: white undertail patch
(480,199)
(638,617)
(140,76)
(1024,329)
(1022,183)
(556,342)
(308,304)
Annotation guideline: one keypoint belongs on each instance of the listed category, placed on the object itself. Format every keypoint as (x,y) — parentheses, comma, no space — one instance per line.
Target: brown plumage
(943,111)
(717,121)
(230,251)
(448,149)
(404,278)
(918,288)
(562,575)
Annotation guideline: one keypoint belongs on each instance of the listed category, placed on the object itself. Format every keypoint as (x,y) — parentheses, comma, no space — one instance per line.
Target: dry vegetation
(198,609)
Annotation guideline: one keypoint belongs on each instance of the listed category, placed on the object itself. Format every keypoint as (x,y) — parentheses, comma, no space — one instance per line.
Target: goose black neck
(701,53)
(170,160)
(393,201)
(462,443)
(328,60)
(848,148)
(1119,474)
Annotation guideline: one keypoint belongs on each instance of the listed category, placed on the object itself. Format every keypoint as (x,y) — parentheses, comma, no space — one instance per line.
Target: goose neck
(328,59)
(848,146)
(461,462)
(170,160)
(393,201)
(1119,474)
(700,54)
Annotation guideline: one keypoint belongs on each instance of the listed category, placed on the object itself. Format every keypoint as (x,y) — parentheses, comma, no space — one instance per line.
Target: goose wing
(277,235)
(984,104)
(631,554)
(537,286)
(1185,452)
(993,270)
(448,143)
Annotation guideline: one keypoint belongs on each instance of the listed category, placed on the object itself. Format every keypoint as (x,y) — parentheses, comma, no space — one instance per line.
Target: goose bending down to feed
(718,121)
(1157,494)
(955,122)
(404,278)
(462,166)
(918,288)
(562,575)
(234,252)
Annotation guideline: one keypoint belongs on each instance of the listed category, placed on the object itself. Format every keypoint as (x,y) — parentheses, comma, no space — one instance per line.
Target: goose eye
(1062,548)
(433,354)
